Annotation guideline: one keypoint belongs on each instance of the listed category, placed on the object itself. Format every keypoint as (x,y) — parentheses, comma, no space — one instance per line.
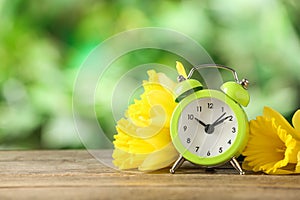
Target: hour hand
(201,122)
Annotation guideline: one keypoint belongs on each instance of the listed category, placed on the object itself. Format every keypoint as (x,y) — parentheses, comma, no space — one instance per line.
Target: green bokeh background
(43,43)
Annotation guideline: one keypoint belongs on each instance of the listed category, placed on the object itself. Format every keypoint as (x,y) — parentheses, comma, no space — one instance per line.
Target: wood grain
(78,175)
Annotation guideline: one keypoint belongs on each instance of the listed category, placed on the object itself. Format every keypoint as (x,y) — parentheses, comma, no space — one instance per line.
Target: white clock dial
(207,127)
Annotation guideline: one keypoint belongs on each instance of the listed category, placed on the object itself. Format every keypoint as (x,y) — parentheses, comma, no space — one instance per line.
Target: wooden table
(76,174)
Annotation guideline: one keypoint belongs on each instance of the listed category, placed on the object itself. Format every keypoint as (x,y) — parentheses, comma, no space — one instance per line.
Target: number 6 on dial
(209,127)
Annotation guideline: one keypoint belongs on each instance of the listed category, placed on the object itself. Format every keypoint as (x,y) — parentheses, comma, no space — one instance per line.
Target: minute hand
(221,121)
(211,127)
(219,118)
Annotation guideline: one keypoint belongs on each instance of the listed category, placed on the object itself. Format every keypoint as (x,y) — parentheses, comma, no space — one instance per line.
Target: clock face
(207,127)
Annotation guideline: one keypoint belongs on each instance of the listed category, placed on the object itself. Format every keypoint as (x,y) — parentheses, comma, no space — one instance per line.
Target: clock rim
(242,134)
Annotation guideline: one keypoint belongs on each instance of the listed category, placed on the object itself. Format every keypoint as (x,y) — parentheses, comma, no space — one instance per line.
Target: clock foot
(177,164)
(236,165)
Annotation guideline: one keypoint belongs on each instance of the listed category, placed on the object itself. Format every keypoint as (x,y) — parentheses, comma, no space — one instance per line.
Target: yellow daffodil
(274,145)
(143,140)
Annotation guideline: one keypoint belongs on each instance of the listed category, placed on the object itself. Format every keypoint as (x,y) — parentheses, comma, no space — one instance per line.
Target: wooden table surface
(75,174)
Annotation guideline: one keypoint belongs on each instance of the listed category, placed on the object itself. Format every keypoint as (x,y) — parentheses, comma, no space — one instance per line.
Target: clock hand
(207,128)
(201,122)
(222,120)
(219,119)
(211,127)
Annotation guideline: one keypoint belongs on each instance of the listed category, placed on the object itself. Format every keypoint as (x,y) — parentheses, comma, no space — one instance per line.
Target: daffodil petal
(160,139)
(124,160)
(159,117)
(281,172)
(153,76)
(140,132)
(180,69)
(163,103)
(130,144)
(298,163)
(160,159)
(280,120)
(139,113)
(166,82)
(296,121)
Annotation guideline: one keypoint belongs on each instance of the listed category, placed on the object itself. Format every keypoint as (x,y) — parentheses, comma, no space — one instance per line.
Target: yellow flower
(143,140)
(274,145)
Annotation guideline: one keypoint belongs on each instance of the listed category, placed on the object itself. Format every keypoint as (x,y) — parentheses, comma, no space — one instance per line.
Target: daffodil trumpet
(274,145)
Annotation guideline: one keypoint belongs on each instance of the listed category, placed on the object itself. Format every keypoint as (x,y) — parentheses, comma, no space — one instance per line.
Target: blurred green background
(44,42)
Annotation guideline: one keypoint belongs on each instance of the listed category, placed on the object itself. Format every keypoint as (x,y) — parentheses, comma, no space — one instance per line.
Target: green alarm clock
(209,127)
